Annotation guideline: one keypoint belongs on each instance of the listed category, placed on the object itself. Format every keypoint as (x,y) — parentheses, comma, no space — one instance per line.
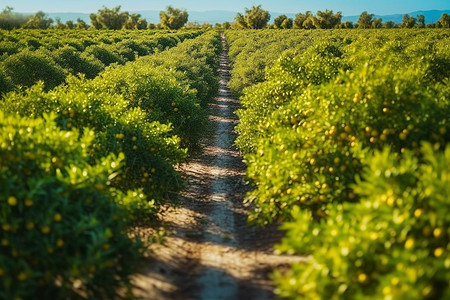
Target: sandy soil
(210,252)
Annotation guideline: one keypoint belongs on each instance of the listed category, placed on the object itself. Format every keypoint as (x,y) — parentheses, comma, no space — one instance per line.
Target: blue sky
(348,7)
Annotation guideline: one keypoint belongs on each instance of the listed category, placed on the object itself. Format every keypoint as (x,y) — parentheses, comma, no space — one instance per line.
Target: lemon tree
(62,228)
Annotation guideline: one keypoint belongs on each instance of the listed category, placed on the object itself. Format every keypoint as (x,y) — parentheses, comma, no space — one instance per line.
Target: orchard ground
(210,252)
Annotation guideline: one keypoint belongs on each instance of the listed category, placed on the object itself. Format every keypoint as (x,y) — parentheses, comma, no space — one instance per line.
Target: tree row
(258,18)
(174,18)
(346,141)
(105,18)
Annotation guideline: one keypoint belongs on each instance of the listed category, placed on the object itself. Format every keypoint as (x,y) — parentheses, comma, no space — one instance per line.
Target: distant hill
(219,16)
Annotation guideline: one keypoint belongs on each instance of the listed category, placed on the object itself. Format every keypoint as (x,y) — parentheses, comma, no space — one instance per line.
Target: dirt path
(210,252)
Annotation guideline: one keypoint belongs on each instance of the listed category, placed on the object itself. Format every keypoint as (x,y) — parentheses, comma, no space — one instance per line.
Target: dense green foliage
(107,18)
(10,20)
(81,162)
(251,53)
(310,130)
(392,244)
(254,18)
(61,233)
(173,18)
(28,67)
(120,128)
(27,56)
(173,87)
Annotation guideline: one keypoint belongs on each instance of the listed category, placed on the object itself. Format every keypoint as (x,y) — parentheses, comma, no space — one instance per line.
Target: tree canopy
(135,22)
(302,20)
(282,22)
(173,18)
(38,21)
(324,19)
(254,18)
(109,18)
(365,20)
(10,20)
(444,21)
(408,21)
(421,20)
(327,19)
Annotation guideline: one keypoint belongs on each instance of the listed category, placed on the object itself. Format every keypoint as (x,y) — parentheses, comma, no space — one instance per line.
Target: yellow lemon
(29,202)
(57,217)
(45,230)
(12,201)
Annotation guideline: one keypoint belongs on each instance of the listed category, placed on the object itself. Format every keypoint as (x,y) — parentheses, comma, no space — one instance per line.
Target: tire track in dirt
(210,252)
